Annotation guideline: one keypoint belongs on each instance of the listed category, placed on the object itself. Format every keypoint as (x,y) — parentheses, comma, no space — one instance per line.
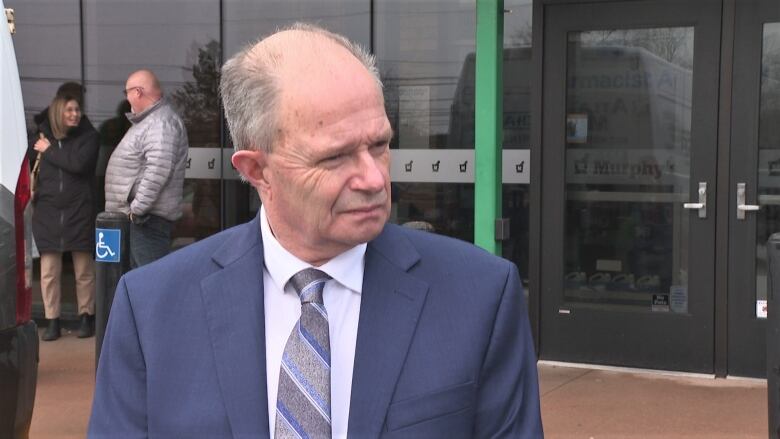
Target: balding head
(307,115)
(254,80)
(143,90)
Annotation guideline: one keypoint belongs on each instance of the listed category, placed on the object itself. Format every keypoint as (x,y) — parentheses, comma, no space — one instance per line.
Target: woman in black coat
(63,209)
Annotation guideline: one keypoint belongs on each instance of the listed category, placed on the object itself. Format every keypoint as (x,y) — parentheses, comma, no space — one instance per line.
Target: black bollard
(773,335)
(112,260)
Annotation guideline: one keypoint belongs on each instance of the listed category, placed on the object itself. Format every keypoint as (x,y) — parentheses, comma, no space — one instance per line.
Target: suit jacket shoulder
(444,346)
(440,259)
(196,261)
(184,349)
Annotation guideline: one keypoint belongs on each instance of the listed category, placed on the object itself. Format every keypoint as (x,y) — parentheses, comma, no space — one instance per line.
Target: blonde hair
(56,113)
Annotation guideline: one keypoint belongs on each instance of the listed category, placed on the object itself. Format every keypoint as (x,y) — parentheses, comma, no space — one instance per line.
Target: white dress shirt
(283,309)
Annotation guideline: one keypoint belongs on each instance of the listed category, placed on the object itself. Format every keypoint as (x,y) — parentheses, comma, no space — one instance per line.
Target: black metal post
(108,268)
(773,335)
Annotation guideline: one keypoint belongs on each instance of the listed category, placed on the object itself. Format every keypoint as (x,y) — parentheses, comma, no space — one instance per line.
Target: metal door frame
(543,127)
(745,333)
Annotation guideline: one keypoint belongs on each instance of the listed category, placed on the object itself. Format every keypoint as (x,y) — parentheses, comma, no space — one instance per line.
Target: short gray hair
(249,86)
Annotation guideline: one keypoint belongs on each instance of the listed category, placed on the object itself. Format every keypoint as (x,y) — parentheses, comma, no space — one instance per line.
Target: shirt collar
(346,268)
(141,115)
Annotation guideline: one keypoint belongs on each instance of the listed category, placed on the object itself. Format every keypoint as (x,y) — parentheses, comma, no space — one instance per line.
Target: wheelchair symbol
(101,249)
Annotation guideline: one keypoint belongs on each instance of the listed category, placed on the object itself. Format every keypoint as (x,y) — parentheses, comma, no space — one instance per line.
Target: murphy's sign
(639,166)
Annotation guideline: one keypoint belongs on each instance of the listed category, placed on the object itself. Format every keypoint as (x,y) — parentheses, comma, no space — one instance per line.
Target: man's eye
(379,147)
(332,159)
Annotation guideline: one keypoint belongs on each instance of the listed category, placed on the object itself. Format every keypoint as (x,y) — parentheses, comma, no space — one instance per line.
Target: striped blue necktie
(303,398)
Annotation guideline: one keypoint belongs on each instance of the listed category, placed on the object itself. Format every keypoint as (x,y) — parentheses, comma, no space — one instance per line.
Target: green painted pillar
(488,115)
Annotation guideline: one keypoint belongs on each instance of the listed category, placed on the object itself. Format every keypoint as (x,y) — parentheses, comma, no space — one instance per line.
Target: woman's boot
(52,331)
(87,326)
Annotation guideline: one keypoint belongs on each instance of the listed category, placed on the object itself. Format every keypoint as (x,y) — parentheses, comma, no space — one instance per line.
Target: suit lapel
(390,306)
(233,299)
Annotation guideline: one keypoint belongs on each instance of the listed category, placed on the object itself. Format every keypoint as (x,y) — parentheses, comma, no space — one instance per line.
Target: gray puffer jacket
(145,173)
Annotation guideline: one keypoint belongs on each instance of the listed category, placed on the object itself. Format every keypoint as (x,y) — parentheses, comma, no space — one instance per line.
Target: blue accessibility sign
(107,245)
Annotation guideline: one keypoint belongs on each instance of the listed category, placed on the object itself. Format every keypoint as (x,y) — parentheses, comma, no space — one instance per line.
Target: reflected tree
(522,36)
(198,100)
(198,103)
(673,44)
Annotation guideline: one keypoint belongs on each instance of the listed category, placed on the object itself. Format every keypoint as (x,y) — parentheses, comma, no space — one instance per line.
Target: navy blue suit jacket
(443,348)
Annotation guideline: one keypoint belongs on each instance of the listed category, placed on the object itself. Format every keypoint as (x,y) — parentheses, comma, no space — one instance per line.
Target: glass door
(755,179)
(630,137)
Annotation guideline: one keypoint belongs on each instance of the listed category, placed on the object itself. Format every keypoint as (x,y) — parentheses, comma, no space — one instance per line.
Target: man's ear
(251,164)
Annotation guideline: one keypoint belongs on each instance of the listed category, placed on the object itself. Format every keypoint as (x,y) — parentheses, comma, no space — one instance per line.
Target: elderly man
(145,174)
(317,319)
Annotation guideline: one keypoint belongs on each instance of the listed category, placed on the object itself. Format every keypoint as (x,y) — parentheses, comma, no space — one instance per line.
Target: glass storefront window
(628,128)
(517,78)
(246,21)
(425,50)
(181,46)
(426,54)
(768,152)
(48,51)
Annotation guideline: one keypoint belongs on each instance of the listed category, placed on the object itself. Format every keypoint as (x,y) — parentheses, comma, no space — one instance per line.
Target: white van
(18,333)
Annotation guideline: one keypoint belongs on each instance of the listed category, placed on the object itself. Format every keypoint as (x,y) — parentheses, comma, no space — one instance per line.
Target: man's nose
(371,174)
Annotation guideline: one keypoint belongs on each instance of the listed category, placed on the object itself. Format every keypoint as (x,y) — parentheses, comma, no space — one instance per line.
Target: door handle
(701,206)
(741,206)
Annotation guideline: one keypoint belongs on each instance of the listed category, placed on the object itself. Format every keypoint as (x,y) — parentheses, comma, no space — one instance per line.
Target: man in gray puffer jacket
(145,174)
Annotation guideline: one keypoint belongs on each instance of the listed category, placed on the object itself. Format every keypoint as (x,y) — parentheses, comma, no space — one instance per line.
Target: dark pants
(149,240)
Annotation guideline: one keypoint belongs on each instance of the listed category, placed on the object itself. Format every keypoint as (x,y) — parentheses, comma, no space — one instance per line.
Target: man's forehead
(314,108)
(294,41)
(317,68)
(371,130)
(329,90)
(302,51)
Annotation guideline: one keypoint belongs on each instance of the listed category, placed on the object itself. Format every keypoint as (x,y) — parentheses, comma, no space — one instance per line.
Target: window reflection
(181,46)
(516,205)
(768,222)
(447,208)
(517,125)
(422,48)
(516,85)
(48,50)
(628,131)
(425,51)
(48,53)
(245,21)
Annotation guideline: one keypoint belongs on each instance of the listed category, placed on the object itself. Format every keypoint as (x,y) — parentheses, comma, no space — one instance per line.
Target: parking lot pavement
(607,404)
(66,379)
(576,402)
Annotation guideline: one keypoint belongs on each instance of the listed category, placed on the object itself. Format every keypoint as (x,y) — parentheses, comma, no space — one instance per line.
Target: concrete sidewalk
(576,402)
(593,403)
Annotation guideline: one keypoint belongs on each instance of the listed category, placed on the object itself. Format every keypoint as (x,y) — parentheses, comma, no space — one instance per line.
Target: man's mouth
(368,210)
(365,209)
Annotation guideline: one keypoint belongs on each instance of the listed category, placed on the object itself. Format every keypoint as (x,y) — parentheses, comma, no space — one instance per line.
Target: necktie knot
(309,283)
